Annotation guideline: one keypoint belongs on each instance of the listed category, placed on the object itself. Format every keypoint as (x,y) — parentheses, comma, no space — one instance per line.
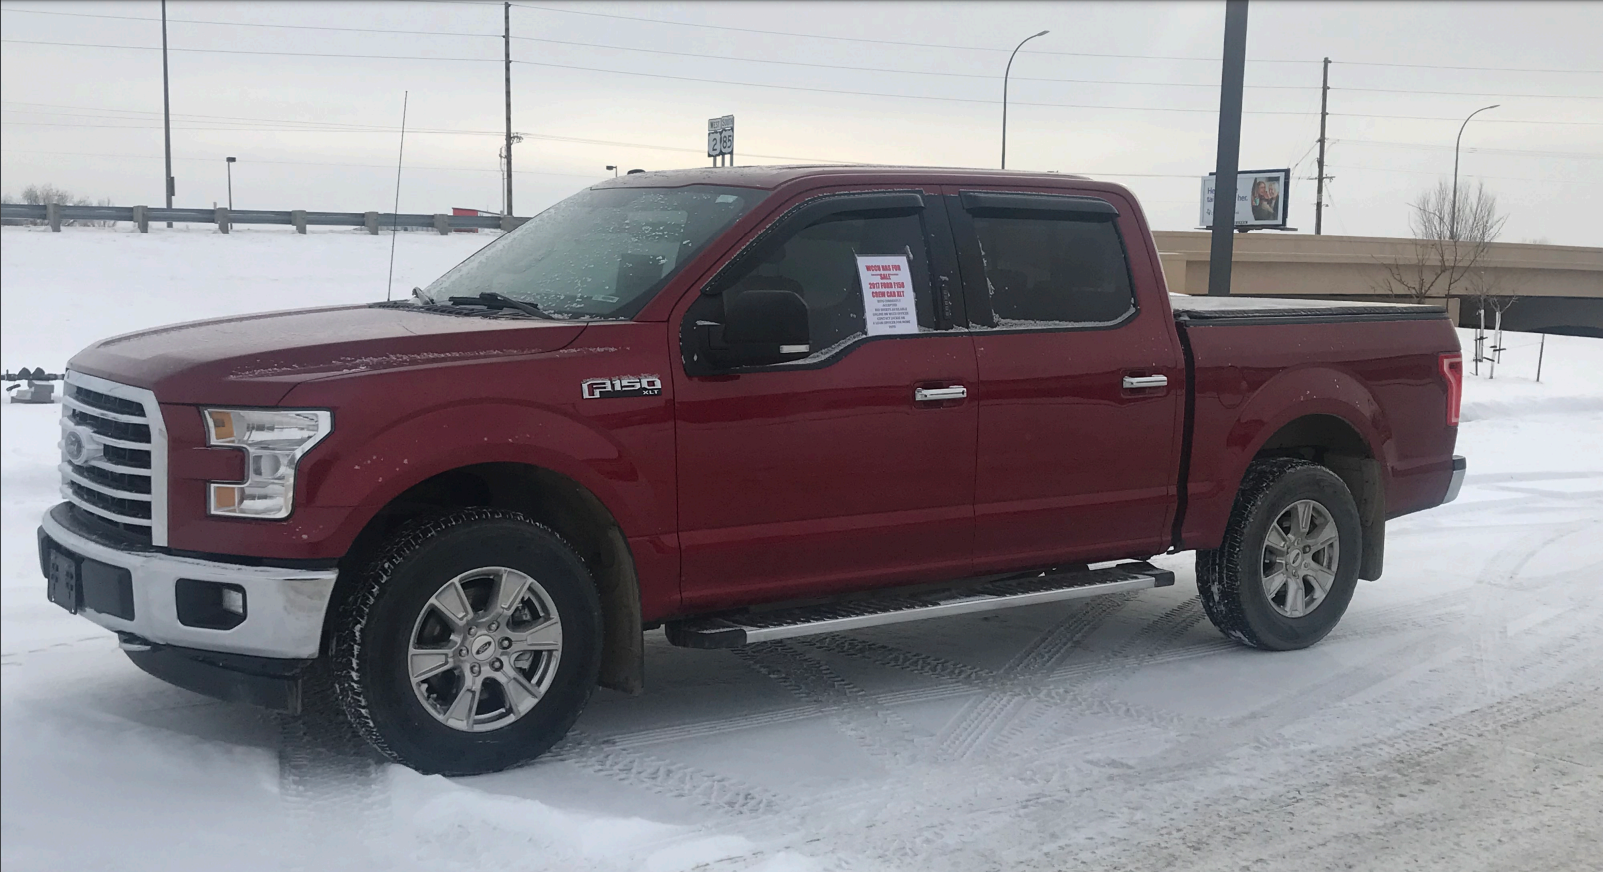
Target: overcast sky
(1121,91)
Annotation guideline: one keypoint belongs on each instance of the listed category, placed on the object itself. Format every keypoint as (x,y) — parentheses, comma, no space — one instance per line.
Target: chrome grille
(114,456)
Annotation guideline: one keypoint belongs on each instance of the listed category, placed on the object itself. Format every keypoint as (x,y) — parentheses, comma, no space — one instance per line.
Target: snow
(1449,723)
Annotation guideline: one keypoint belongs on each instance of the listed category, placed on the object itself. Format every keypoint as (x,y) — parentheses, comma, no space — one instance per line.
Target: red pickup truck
(739,404)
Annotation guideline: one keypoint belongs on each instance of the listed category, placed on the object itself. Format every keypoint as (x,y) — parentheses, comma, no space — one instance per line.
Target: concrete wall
(1560,287)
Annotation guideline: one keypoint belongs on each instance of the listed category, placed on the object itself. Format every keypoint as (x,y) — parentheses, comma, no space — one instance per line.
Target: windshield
(602,253)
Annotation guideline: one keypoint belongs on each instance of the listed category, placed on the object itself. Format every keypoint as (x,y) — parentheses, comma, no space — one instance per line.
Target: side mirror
(761,327)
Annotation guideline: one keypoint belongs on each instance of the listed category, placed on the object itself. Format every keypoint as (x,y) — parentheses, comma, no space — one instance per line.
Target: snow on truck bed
(1449,723)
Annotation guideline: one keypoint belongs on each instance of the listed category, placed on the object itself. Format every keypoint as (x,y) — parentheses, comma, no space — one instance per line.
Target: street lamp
(229,162)
(1005,74)
(614,170)
(1452,221)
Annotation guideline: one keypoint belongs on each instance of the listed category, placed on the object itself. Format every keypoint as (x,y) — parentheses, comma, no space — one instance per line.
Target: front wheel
(1289,563)
(471,644)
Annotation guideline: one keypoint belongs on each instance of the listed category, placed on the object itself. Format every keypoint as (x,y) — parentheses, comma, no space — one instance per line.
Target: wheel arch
(1334,442)
(559,502)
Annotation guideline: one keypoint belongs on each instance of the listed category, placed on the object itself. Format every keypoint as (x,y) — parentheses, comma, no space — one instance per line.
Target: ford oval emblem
(80,445)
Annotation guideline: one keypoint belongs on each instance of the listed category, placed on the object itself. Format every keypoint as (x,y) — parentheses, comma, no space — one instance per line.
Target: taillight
(1452,366)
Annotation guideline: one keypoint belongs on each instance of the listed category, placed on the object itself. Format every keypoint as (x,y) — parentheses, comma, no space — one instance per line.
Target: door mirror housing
(761,327)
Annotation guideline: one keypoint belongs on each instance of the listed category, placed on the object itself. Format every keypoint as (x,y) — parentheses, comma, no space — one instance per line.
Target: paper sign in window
(888,305)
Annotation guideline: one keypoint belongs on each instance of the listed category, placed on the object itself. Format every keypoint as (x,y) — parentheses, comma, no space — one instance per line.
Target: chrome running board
(745,628)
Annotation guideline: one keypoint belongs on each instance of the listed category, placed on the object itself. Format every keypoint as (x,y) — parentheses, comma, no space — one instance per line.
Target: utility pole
(166,110)
(1233,71)
(1324,106)
(506,38)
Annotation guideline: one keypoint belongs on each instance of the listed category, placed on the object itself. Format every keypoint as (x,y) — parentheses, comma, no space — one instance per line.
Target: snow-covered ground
(1450,722)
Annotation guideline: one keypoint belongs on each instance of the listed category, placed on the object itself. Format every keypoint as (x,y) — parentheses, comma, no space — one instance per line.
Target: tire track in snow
(1489,611)
(723,794)
(958,679)
(1001,700)
(878,730)
(1216,826)
(330,784)
(1134,652)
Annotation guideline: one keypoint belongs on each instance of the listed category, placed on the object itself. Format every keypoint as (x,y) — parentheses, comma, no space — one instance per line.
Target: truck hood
(254,360)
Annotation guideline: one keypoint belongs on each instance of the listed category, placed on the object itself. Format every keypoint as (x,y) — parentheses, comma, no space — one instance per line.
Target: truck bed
(1200,311)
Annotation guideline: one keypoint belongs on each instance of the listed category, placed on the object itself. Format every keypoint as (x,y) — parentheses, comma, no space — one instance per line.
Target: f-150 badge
(622,386)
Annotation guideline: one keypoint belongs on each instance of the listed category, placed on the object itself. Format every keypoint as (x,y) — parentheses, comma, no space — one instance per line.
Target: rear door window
(1046,270)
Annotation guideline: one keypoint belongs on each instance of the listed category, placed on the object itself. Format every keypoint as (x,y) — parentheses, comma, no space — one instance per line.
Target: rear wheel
(471,644)
(1289,563)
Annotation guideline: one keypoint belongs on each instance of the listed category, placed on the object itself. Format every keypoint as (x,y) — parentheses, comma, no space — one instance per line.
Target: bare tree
(1449,240)
(47,194)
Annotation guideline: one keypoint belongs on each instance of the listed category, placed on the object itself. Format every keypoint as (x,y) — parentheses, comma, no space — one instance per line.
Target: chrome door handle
(932,395)
(1137,382)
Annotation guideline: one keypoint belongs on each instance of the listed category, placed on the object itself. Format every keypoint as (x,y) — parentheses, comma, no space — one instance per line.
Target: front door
(838,471)
(1080,388)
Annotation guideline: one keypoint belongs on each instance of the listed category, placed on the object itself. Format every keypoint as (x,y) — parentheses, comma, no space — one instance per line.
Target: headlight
(274,441)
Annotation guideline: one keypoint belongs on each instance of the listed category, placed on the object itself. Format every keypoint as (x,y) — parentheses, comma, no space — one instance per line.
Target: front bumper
(284,607)
(1460,466)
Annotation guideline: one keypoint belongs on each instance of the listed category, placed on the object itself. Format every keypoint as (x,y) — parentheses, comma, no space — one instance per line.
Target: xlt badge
(622,386)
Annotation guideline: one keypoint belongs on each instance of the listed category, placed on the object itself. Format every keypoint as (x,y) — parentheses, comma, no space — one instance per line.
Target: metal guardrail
(224,218)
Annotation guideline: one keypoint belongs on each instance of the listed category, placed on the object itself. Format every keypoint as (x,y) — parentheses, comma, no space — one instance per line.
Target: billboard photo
(1261,198)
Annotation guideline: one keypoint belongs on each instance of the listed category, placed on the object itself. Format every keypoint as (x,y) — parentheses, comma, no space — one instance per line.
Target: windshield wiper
(494,300)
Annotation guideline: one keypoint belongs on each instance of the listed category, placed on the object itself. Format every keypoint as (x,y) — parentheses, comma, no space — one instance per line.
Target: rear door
(1080,387)
(830,473)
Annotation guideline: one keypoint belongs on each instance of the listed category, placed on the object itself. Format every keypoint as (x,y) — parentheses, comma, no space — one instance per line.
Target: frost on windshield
(601,253)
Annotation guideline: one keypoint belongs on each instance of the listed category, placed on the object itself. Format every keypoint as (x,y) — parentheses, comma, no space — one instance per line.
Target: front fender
(380,465)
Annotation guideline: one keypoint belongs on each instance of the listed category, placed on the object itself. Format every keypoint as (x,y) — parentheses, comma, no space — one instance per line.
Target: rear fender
(1285,397)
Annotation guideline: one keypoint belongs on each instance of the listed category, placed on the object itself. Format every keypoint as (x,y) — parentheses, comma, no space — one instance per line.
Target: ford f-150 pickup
(740,405)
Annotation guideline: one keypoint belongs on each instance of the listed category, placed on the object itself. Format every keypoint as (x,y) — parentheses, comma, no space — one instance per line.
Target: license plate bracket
(63,588)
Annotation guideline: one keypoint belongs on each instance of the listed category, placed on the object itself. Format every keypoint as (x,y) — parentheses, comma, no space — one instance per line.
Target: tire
(428,603)
(1231,579)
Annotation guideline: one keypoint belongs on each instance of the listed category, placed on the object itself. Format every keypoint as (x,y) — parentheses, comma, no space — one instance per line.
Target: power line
(240,51)
(943,46)
(700,56)
(1466,175)
(1462,93)
(861,39)
(1478,69)
(704,80)
(1031,51)
(306,163)
(1579,155)
(253,24)
(379,128)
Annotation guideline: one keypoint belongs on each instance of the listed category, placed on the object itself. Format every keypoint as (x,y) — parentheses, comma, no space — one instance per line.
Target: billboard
(1260,198)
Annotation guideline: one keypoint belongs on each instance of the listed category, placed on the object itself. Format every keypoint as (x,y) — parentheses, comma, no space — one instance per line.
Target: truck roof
(770,177)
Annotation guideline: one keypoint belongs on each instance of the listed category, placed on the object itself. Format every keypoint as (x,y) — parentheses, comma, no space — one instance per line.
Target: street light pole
(1452,221)
(614,170)
(166,112)
(229,162)
(1005,74)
